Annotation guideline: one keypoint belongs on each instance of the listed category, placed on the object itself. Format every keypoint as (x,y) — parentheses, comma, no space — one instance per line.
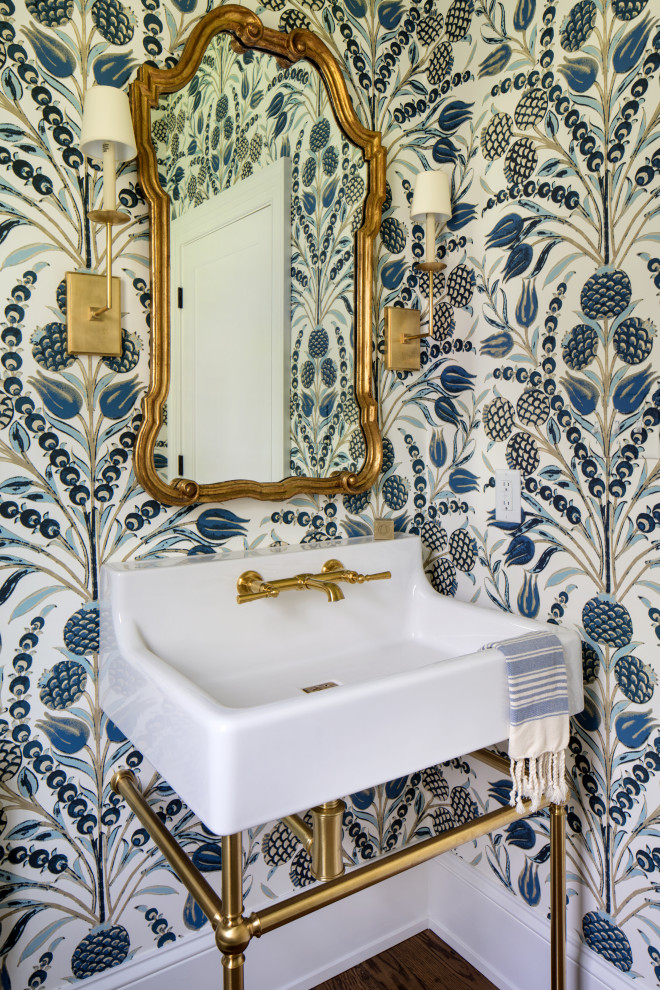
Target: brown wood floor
(423,962)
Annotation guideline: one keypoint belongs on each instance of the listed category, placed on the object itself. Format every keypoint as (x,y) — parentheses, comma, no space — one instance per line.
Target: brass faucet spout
(332,590)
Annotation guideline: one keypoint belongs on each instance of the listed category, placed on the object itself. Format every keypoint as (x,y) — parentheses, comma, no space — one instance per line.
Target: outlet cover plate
(507,496)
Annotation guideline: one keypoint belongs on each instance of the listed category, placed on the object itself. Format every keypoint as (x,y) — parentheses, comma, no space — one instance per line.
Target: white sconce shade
(107,118)
(431,200)
(432,195)
(107,133)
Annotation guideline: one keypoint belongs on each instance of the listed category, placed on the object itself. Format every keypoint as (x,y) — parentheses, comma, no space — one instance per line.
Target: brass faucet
(251,586)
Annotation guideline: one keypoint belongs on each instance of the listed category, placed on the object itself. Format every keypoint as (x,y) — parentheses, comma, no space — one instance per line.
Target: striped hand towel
(538,699)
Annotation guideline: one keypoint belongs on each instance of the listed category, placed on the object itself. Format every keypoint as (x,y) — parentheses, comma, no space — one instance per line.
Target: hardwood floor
(423,962)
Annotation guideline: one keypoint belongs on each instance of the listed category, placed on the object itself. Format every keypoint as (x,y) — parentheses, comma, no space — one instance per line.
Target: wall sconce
(431,201)
(94,301)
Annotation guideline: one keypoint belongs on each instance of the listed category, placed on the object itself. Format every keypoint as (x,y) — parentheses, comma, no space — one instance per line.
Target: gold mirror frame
(248,32)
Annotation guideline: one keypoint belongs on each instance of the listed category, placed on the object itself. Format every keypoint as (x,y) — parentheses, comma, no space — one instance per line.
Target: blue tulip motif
(193,916)
(462,481)
(506,231)
(631,47)
(394,788)
(437,449)
(219,525)
(61,399)
(444,152)
(496,62)
(363,799)
(521,834)
(275,105)
(446,410)
(462,214)
(519,260)
(529,884)
(582,394)
(528,304)
(500,791)
(52,53)
(392,273)
(117,400)
(529,601)
(632,391)
(634,728)
(580,73)
(208,857)
(113,70)
(390,13)
(589,718)
(498,345)
(524,14)
(520,550)
(455,379)
(454,115)
(67,735)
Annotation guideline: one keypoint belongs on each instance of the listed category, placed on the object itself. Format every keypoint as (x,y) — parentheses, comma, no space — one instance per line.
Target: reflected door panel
(231,346)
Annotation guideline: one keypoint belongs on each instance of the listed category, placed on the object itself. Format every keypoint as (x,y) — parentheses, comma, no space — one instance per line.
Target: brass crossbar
(234,931)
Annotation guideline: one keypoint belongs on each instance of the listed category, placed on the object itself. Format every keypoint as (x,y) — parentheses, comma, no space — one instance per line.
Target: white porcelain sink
(212,691)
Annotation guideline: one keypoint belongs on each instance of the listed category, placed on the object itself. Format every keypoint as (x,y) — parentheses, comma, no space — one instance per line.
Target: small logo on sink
(320,687)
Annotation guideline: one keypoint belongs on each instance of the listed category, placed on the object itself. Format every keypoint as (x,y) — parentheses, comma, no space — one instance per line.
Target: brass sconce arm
(110,218)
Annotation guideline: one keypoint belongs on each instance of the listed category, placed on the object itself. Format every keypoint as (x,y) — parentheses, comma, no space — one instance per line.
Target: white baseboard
(495,932)
(501,937)
(298,956)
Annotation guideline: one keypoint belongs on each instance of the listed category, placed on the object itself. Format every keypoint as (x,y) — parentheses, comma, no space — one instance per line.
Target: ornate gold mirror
(285,293)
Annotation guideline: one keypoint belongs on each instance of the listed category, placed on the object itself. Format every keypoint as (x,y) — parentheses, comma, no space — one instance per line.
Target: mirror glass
(266,194)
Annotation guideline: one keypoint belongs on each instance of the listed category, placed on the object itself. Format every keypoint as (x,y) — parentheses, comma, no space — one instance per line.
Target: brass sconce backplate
(402,354)
(85,293)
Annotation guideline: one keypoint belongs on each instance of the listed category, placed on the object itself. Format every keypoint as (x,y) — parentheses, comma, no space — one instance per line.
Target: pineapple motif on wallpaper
(543,357)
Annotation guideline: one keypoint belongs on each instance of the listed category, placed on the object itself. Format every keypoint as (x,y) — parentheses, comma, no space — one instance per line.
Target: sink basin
(212,692)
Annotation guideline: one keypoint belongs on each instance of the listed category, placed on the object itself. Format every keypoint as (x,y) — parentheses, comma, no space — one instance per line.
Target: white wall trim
(298,956)
(497,933)
(502,938)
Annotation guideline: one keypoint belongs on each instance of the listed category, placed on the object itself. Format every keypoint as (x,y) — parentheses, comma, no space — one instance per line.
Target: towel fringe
(539,777)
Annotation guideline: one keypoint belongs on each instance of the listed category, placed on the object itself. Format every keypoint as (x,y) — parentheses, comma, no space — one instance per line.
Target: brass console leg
(558,897)
(233,959)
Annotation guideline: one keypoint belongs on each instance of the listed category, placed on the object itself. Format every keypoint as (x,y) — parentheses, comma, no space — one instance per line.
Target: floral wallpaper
(547,116)
(202,149)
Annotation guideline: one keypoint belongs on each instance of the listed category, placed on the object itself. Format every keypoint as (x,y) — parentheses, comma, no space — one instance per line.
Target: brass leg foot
(558,897)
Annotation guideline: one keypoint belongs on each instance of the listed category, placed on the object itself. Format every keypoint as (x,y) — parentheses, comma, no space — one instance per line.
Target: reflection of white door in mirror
(230,356)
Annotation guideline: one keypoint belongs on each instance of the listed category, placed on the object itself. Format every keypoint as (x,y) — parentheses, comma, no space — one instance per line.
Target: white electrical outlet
(507,496)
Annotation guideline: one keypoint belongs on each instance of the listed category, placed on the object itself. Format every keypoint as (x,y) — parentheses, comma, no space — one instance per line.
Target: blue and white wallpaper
(544,358)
